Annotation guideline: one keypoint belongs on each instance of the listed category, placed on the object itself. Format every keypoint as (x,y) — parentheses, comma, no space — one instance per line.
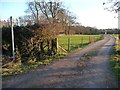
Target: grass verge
(18,68)
(115,62)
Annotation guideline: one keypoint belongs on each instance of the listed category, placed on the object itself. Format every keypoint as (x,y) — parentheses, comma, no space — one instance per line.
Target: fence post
(89,39)
(82,41)
(57,45)
(68,43)
(92,39)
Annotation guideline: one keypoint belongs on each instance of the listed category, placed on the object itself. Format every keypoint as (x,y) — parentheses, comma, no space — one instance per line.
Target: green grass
(18,68)
(76,41)
(115,35)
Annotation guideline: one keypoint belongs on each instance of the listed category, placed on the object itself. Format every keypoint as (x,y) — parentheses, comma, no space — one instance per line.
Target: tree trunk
(48,51)
(54,46)
(41,47)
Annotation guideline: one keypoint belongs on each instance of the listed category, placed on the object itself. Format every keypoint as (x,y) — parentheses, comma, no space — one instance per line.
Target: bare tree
(114,6)
(49,11)
(43,8)
(34,10)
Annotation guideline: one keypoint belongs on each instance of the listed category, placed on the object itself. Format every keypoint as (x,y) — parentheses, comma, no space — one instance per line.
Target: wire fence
(72,42)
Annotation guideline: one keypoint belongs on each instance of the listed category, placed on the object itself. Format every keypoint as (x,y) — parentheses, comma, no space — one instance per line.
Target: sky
(88,12)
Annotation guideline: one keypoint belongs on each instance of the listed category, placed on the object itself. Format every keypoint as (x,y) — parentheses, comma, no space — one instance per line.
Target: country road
(73,71)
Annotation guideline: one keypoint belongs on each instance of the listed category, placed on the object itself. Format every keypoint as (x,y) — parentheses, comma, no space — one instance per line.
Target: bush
(31,42)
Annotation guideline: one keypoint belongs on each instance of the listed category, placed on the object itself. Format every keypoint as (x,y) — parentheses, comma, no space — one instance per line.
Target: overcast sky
(88,12)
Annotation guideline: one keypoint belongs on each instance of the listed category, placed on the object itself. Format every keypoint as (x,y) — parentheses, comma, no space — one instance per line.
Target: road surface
(73,71)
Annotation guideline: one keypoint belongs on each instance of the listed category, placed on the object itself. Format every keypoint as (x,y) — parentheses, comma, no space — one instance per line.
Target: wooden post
(82,41)
(57,42)
(89,39)
(13,48)
(92,39)
(68,43)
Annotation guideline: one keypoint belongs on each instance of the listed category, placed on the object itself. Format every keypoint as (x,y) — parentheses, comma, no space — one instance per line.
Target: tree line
(36,37)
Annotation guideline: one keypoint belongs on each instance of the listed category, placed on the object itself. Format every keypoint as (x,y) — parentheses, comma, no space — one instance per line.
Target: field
(77,41)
